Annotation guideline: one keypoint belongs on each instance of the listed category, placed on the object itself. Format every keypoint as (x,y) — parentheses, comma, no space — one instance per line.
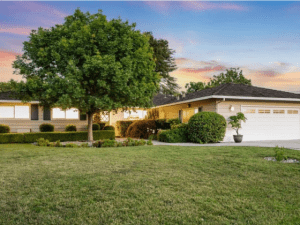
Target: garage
(270,123)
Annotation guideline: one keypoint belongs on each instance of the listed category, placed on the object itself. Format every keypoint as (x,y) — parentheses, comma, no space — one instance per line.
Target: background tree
(165,63)
(88,63)
(233,75)
(6,86)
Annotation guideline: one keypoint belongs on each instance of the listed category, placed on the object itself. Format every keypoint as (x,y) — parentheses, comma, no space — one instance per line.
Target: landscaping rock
(283,161)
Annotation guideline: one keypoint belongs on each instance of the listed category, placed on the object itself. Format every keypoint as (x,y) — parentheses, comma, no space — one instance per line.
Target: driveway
(290,144)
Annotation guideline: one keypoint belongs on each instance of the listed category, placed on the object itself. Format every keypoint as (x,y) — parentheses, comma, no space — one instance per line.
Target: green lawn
(147,185)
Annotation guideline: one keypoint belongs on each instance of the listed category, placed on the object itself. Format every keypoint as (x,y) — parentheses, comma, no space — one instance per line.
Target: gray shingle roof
(229,89)
(8,96)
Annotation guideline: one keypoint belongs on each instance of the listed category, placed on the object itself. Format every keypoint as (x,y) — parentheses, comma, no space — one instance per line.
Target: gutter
(231,97)
(19,101)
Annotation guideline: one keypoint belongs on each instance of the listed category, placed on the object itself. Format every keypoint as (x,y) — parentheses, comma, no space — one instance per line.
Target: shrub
(108,128)
(142,142)
(42,142)
(51,144)
(102,125)
(58,144)
(174,121)
(149,142)
(153,137)
(128,142)
(71,145)
(280,154)
(84,145)
(97,144)
(119,144)
(96,126)
(4,128)
(12,138)
(68,136)
(235,121)
(46,127)
(178,135)
(109,143)
(141,129)
(206,127)
(162,124)
(71,127)
(122,126)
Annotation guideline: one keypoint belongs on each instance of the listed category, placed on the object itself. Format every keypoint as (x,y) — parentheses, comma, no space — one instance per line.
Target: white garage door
(270,123)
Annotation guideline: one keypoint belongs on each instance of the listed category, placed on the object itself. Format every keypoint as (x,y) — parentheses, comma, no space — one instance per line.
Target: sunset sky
(261,38)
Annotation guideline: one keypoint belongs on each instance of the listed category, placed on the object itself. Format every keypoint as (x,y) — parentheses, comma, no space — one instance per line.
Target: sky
(260,38)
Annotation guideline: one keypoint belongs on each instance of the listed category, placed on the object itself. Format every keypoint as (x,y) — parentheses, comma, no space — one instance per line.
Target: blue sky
(262,38)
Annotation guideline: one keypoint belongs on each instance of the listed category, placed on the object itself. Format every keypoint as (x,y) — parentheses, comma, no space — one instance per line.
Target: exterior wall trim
(19,101)
(231,97)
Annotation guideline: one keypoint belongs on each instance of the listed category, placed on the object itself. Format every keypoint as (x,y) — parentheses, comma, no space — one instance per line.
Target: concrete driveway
(290,144)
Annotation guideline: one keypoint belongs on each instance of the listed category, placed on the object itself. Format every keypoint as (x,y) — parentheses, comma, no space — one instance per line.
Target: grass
(147,185)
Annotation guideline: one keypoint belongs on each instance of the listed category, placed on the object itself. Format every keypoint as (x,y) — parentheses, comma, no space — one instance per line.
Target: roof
(228,90)
(8,95)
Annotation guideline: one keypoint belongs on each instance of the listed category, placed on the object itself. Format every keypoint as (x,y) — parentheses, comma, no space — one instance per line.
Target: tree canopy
(88,63)
(6,86)
(233,75)
(165,63)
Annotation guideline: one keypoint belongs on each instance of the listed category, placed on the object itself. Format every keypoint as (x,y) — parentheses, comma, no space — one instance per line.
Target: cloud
(15,30)
(6,70)
(205,69)
(166,6)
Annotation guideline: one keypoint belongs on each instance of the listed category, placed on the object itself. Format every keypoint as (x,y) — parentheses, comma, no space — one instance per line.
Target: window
(264,111)
(7,111)
(138,114)
(21,112)
(104,116)
(199,109)
(11,112)
(292,111)
(65,114)
(278,111)
(250,111)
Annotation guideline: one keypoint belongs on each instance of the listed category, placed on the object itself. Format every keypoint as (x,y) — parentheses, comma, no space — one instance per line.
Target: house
(271,114)
(27,117)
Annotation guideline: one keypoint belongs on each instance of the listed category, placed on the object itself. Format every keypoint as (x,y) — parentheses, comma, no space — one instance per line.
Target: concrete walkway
(290,144)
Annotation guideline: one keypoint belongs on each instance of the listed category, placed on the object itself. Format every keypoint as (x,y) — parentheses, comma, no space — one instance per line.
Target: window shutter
(34,112)
(82,116)
(47,113)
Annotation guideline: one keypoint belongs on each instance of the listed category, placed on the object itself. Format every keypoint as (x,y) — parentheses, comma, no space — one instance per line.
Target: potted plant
(236,125)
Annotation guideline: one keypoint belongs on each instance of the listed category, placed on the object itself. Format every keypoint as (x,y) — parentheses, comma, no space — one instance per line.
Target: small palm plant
(236,125)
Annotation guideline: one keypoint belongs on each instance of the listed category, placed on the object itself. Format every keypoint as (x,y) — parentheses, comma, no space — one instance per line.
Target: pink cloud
(15,30)
(205,69)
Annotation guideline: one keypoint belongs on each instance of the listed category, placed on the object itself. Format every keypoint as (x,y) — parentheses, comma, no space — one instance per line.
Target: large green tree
(165,63)
(88,63)
(233,75)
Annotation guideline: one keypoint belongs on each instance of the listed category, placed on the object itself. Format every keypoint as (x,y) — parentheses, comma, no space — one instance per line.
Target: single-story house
(27,117)
(271,114)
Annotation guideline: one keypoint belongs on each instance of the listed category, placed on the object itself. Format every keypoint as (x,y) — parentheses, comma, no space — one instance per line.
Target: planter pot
(238,138)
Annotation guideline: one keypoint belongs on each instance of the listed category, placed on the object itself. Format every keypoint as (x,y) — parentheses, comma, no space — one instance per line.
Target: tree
(88,63)
(165,63)
(6,86)
(233,75)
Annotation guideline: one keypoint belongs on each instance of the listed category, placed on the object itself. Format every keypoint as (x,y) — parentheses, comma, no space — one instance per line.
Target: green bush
(68,136)
(84,145)
(70,127)
(206,127)
(109,143)
(178,135)
(58,144)
(46,127)
(162,124)
(42,142)
(4,128)
(174,121)
(122,126)
(71,145)
(109,128)
(97,144)
(153,137)
(149,142)
(141,129)
(102,125)
(11,138)
(280,154)
(96,126)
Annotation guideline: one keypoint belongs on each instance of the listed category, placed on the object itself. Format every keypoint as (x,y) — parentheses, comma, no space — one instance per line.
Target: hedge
(178,134)
(122,126)
(11,138)
(4,128)
(54,136)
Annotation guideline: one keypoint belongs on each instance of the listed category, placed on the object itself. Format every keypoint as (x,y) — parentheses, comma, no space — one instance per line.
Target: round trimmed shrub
(141,129)
(206,127)
(108,128)
(71,127)
(46,127)
(102,125)
(96,126)
(4,128)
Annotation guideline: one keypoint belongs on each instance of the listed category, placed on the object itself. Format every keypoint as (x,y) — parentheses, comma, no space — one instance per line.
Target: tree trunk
(90,127)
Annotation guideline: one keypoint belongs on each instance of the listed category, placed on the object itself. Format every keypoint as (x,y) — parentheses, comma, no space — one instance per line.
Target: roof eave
(18,101)
(231,97)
